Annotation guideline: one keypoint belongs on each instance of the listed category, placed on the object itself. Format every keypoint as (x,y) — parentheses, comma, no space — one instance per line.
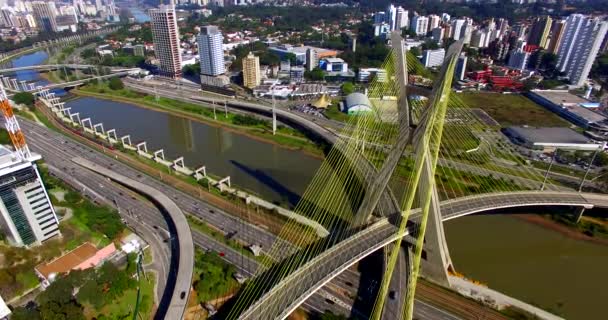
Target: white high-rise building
(402,18)
(211,52)
(457,28)
(391,16)
(27,217)
(420,25)
(581,41)
(433,58)
(478,39)
(165,35)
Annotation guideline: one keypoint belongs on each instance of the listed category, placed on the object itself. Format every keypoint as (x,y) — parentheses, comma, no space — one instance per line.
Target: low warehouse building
(543,138)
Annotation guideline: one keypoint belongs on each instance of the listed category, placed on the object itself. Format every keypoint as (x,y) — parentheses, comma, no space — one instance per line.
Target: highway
(56,148)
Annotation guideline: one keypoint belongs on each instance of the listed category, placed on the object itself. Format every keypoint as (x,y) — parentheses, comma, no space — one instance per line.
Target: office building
(478,39)
(539,32)
(433,58)
(461,67)
(518,59)
(381,29)
(211,52)
(27,217)
(581,41)
(165,35)
(379,17)
(420,25)
(45,13)
(251,71)
(311,58)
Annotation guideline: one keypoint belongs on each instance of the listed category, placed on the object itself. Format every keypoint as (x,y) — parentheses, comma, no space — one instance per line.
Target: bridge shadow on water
(291,197)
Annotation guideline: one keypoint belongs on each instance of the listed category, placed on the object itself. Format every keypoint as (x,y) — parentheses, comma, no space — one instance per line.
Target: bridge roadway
(185,268)
(285,297)
(75,83)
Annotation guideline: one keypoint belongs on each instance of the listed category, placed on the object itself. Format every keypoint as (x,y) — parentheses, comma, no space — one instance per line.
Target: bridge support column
(436,262)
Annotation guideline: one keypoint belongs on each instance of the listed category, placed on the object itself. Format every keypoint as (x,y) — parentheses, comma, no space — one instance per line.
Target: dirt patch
(558,227)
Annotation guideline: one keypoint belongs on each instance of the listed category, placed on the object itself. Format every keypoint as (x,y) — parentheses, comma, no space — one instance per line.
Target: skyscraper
(539,33)
(45,13)
(27,216)
(581,41)
(211,52)
(165,35)
(251,71)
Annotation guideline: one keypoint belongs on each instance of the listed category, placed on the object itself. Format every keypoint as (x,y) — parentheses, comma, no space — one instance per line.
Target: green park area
(213,277)
(80,221)
(512,109)
(108,292)
(253,126)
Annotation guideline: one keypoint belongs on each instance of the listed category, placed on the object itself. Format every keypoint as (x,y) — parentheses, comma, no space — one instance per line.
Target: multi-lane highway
(57,149)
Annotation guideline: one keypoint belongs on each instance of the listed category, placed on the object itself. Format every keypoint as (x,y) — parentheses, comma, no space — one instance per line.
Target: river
(510,255)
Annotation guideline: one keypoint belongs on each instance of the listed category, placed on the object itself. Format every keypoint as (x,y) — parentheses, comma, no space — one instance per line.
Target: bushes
(116,84)
(25,98)
(242,120)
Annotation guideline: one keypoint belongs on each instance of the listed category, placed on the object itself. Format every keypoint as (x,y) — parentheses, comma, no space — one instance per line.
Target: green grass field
(124,305)
(512,109)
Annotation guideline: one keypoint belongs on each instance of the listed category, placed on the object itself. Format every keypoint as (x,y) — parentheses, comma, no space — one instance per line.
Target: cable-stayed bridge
(391,176)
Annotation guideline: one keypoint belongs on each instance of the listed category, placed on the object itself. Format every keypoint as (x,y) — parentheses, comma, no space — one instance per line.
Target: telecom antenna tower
(12,126)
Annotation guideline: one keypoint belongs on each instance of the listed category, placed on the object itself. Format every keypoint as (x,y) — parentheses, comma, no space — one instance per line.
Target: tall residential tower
(581,41)
(165,35)
(251,71)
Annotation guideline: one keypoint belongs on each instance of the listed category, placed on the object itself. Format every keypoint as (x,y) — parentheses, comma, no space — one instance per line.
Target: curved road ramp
(182,259)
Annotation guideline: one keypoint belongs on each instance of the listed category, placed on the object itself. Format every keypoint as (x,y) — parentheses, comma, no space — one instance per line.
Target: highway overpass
(185,268)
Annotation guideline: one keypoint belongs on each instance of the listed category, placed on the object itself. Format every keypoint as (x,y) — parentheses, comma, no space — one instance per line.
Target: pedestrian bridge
(294,289)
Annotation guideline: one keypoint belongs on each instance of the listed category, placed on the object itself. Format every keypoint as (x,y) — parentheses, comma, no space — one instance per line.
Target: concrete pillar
(436,262)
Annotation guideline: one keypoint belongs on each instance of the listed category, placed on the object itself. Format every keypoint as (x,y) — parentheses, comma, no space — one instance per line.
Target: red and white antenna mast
(12,126)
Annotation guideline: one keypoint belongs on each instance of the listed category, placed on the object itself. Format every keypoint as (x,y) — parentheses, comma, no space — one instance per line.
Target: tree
(415,51)
(192,70)
(25,98)
(22,313)
(116,84)
(315,74)
(348,88)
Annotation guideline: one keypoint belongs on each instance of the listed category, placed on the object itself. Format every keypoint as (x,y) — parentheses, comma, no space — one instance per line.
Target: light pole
(600,147)
(548,170)
(274,115)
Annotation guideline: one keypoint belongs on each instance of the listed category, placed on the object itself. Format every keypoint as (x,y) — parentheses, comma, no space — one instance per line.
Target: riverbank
(239,123)
(559,227)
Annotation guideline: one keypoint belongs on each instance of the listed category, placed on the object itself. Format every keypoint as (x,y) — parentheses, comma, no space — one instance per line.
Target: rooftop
(560,97)
(549,135)
(68,261)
